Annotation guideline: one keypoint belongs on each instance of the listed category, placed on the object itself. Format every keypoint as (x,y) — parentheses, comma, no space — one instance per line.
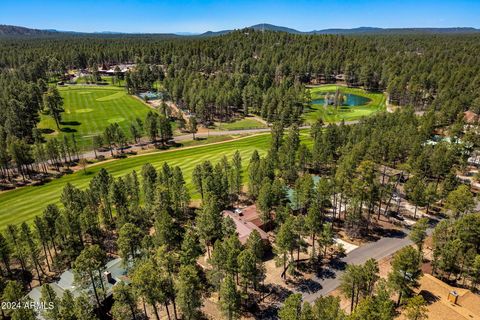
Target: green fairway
(25,203)
(375,103)
(89,110)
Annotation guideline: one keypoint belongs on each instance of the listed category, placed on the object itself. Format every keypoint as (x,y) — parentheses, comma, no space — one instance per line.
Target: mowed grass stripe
(25,203)
(107,104)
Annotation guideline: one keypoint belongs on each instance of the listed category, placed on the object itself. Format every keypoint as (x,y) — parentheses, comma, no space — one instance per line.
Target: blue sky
(199,16)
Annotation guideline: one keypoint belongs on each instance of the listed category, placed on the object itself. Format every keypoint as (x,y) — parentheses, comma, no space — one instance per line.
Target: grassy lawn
(242,124)
(375,104)
(89,110)
(25,203)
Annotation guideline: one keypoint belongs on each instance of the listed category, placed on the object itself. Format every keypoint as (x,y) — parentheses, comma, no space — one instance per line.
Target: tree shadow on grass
(46,130)
(68,130)
(70,123)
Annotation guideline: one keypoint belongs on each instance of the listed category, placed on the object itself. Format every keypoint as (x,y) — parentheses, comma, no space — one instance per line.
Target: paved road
(378,250)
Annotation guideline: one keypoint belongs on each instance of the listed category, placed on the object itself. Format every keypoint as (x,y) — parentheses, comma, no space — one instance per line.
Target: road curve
(377,250)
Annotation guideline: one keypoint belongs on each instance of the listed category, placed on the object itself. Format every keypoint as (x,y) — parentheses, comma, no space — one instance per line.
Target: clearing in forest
(334,103)
(88,110)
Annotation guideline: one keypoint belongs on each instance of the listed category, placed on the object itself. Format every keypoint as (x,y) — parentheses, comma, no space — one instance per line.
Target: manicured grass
(211,139)
(242,124)
(25,203)
(90,109)
(329,114)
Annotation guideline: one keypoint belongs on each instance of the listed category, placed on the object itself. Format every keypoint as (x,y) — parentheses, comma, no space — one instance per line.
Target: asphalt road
(329,279)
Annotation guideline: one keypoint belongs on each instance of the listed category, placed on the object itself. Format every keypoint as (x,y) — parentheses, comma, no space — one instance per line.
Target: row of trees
(19,158)
(78,235)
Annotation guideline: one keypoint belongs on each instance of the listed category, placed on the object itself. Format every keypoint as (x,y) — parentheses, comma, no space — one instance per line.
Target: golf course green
(359,103)
(88,110)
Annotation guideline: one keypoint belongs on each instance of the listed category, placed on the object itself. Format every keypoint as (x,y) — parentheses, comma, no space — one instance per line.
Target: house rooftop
(115,268)
(245,224)
(436,293)
(470,117)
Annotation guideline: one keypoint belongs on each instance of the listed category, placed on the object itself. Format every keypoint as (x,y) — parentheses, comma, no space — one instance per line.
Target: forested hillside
(246,71)
(257,69)
(6,30)
(170,215)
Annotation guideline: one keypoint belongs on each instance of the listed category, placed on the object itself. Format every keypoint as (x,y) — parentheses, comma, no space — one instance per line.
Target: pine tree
(405,272)
(147,284)
(188,288)
(53,103)
(209,221)
(229,298)
(149,176)
(88,269)
(416,308)
(51,302)
(292,308)
(129,241)
(192,126)
(285,243)
(328,308)
(190,248)
(5,253)
(125,304)
(255,243)
(314,225)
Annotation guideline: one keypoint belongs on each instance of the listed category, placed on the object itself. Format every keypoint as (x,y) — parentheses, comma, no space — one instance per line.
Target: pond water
(150,95)
(350,100)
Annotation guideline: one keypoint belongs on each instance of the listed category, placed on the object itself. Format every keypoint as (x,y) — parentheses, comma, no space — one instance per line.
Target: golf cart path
(187,137)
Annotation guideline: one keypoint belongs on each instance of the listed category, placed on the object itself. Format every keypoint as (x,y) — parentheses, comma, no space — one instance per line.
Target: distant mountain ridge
(353,31)
(8,30)
(373,30)
(22,31)
(271,27)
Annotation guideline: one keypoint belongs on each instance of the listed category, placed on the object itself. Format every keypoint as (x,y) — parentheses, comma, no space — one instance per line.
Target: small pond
(349,100)
(150,95)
